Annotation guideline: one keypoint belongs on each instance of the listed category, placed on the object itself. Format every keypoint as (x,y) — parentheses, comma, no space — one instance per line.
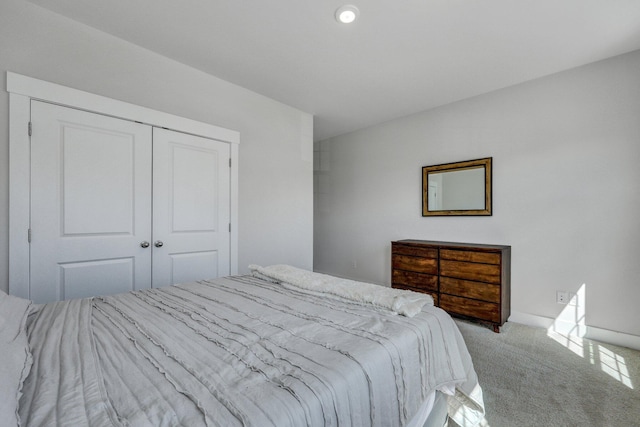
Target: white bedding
(240,351)
(399,301)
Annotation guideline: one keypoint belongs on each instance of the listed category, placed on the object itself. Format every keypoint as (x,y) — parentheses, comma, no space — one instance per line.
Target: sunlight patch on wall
(569,329)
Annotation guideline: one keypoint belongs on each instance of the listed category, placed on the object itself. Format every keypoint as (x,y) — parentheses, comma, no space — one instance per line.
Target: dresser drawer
(416,264)
(489,273)
(469,307)
(469,289)
(420,281)
(400,249)
(470,256)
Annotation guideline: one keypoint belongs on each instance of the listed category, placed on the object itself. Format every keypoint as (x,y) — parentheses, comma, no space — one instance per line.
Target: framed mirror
(461,188)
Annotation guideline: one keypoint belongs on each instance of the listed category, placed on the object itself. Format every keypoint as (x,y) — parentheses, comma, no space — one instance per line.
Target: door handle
(144,244)
(158,244)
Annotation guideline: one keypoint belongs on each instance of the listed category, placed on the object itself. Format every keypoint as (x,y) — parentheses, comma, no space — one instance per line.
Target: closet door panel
(90,204)
(183,266)
(191,193)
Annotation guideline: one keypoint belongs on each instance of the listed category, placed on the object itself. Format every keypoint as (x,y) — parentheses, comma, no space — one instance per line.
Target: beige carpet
(531,377)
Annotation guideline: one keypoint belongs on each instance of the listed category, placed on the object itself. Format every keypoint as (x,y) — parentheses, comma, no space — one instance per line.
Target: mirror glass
(461,188)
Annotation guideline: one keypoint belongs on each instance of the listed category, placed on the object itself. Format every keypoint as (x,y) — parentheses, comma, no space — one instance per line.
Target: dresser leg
(496,328)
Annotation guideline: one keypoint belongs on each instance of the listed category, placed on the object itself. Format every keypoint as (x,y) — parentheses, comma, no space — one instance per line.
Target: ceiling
(400,57)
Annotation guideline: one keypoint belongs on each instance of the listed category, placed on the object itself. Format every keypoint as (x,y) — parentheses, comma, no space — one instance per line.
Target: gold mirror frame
(453,167)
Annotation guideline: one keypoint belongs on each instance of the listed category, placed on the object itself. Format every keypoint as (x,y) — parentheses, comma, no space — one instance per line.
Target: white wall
(276,198)
(566,195)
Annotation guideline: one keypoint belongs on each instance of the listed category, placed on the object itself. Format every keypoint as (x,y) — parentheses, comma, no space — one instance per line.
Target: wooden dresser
(467,280)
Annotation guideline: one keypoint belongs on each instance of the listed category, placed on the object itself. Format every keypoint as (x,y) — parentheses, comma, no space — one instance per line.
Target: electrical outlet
(355,264)
(562,297)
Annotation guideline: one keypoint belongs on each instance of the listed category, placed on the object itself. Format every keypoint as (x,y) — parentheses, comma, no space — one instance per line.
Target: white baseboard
(612,337)
(530,319)
(590,332)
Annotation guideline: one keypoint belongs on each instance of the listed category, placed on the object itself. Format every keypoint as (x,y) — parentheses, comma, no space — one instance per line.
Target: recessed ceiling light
(347,14)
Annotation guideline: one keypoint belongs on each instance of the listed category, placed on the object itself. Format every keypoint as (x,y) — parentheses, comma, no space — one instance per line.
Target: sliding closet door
(191,209)
(90,204)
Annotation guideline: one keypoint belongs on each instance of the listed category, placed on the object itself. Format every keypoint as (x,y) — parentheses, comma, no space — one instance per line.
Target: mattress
(241,351)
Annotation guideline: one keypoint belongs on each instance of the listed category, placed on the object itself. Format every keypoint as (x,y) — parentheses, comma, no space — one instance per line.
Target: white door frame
(22,90)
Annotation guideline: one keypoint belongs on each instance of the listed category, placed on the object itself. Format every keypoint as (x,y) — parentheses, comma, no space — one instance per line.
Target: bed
(278,347)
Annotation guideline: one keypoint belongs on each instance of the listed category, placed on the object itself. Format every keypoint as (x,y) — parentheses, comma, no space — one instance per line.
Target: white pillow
(14,354)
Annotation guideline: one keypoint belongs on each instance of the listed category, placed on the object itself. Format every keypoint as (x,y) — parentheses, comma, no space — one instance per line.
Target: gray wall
(276,179)
(566,171)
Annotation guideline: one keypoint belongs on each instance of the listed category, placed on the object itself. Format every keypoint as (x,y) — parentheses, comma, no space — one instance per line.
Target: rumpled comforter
(240,351)
(399,301)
